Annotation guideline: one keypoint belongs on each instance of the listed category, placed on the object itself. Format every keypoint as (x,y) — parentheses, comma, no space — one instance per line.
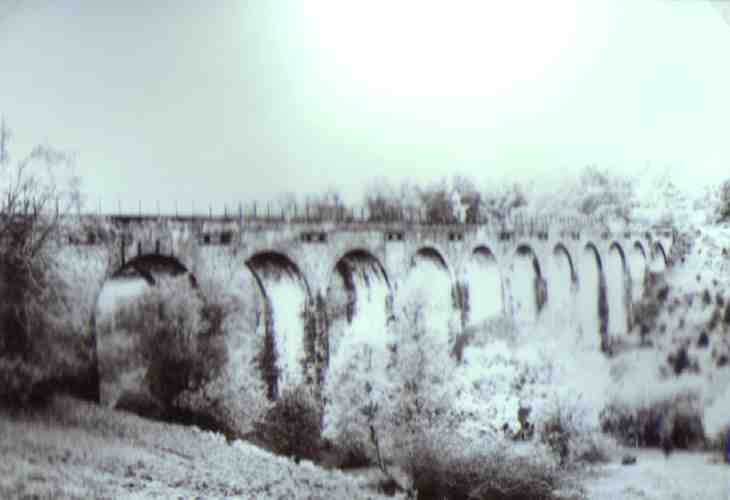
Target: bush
(152,349)
(676,422)
(566,432)
(449,467)
(184,346)
(22,384)
(292,426)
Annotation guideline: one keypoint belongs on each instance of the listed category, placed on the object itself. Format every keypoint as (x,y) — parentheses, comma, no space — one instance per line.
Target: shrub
(567,433)
(183,343)
(22,384)
(292,426)
(155,347)
(676,421)
(449,467)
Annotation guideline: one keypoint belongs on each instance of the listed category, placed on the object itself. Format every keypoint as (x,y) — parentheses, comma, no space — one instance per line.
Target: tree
(381,200)
(35,192)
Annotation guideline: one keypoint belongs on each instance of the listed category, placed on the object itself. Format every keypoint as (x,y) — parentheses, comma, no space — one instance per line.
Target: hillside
(77,450)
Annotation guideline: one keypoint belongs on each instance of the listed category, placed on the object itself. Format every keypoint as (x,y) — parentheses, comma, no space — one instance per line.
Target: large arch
(618,288)
(120,322)
(484,288)
(637,266)
(593,301)
(287,300)
(359,298)
(429,286)
(529,293)
(563,283)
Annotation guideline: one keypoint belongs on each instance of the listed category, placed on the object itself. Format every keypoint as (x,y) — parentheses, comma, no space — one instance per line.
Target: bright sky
(216,102)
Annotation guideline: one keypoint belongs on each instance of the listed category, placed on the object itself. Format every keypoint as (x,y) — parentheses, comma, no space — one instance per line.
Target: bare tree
(35,192)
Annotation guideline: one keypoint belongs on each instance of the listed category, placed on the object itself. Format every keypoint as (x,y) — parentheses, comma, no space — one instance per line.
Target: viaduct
(583,268)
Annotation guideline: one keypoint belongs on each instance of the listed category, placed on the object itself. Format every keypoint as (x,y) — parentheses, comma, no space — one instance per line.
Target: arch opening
(359,300)
(130,303)
(563,283)
(529,292)
(637,267)
(286,300)
(484,294)
(659,261)
(150,265)
(593,300)
(618,287)
(428,287)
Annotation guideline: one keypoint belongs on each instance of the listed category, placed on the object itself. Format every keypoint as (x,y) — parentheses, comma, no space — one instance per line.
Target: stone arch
(429,282)
(483,295)
(432,254)
(593,298)
(359,297)
(637,267)
(120,322)
(618,288)
(561,250)
(659,261)
(289,347)
(563,282)
(529,291)
(147,265)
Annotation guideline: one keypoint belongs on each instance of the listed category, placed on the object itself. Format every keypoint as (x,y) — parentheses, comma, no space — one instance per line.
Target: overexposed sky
(220,102)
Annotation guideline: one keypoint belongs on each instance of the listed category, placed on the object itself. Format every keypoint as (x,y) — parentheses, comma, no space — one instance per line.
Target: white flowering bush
(717,419)
(433,410)
(356,393)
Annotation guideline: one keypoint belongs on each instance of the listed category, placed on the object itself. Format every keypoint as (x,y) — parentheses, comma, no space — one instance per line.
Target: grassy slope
(681,476)
(79,450)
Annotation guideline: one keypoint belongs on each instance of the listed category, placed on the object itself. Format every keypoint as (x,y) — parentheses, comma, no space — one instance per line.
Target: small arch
(483,294)
(616,246)
(525,250)
(560,249)
(619,290)
(529,290)
(484,252)
(640,248)
(430,282)
(637,268)
(659,251)
(360,256)
(430,254)
(594,299)
(275,265)
(359,268)
(563,284)
(591,247)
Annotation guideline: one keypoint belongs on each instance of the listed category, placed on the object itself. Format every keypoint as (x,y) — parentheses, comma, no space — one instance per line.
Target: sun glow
(442,48)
